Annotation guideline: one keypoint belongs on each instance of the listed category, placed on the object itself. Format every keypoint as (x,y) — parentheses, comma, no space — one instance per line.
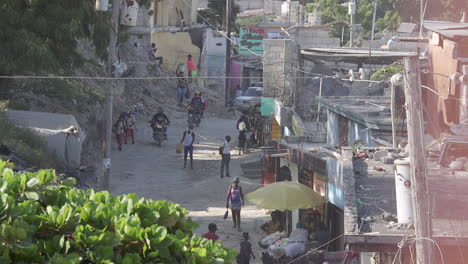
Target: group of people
(182,80)
(125,128)
(235,201)
(245,246)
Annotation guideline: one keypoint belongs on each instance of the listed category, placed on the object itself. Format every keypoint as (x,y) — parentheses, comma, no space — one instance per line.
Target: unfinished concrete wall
(250,4)
(244,4)
(213,61)
(174,12)
(272,6)
(313,38)
(273,67)
(280,69)
(135,51)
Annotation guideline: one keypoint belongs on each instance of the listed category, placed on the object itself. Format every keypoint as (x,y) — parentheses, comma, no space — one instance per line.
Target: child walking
(245,250)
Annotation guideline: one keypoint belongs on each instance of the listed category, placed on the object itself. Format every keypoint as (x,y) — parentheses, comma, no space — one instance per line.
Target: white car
(251,97)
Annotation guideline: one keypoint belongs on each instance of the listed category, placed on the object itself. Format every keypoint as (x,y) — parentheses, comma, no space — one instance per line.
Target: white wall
(294,168)
(332,128)
(215,43)
(359,132)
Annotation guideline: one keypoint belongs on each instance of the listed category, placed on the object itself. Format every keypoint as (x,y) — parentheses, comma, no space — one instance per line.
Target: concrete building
(174,30)
(372,206)
(447,58)
(365,119)
(213,60)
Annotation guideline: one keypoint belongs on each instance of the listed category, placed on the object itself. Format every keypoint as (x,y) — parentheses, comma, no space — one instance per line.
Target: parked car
(251,97)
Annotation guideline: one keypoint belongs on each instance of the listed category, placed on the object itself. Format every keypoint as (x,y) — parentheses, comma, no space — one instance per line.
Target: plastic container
(403,191)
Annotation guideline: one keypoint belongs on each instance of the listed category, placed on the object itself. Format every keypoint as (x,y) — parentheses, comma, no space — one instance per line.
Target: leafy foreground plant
(46,220)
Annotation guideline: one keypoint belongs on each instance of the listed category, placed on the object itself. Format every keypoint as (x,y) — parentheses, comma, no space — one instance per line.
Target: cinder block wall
(280,69)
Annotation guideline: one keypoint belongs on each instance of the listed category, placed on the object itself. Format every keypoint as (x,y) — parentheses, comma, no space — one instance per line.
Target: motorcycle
(194,118)
(158,133)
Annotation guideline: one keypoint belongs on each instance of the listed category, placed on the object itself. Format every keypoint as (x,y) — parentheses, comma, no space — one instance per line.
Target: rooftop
(372,112)
(370,191)
(355,55)
(448,29)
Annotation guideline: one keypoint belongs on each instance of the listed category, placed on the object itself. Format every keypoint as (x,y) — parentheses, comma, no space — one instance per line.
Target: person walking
(225,152)
(234,198)
(181,86)
(130,126)
(187,139)
(245,250)
(243,122)
(242,141)
(212,228)
(190,67)
(120,131)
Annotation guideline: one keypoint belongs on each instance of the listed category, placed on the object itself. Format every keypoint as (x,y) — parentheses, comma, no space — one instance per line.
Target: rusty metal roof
(448,29)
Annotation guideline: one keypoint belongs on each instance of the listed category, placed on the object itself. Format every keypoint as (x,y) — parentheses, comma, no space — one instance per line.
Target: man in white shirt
(187,139)
(226,156)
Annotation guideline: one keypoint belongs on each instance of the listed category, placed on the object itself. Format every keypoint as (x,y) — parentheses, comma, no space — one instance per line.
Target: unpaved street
(158,173)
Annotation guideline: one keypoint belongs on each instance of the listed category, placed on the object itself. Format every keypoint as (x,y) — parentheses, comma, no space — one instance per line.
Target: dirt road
(158,173)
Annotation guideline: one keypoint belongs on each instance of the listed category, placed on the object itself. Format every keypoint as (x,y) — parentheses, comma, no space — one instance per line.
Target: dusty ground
(158,173)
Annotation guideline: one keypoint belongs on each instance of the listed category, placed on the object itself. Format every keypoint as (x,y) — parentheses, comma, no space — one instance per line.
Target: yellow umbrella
(285,195)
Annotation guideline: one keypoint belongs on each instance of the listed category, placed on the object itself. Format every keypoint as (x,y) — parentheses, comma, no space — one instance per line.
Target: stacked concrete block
(317,39)
(280,61)
(273,66)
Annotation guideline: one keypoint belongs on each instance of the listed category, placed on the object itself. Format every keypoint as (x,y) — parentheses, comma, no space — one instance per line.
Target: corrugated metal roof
(355,52)
(406,28)
(448,29)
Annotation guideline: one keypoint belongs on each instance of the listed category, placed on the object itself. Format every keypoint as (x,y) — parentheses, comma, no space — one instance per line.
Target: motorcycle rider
(160,117)
(197,105)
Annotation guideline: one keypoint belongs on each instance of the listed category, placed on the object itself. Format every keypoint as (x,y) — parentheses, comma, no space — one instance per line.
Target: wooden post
(414,112)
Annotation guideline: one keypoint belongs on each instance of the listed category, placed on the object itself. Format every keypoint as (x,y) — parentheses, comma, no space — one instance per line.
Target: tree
(44,219)
(42,35)
(335,13)
(447,10)
(215,14)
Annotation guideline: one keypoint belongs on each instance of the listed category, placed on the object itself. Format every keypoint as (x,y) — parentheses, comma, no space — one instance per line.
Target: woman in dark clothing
(242,140)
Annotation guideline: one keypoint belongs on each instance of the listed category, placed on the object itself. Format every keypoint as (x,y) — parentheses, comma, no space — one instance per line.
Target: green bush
(386,73)
(46,220)
(26,143)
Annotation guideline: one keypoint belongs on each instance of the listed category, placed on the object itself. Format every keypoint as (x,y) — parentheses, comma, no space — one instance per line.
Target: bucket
(194,73)
(403,191)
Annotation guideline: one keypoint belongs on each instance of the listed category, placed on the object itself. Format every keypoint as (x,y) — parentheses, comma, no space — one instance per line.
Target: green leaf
(33,182)
(104,253)
(32,195)
(70,182)
(131,259)
(201,252)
